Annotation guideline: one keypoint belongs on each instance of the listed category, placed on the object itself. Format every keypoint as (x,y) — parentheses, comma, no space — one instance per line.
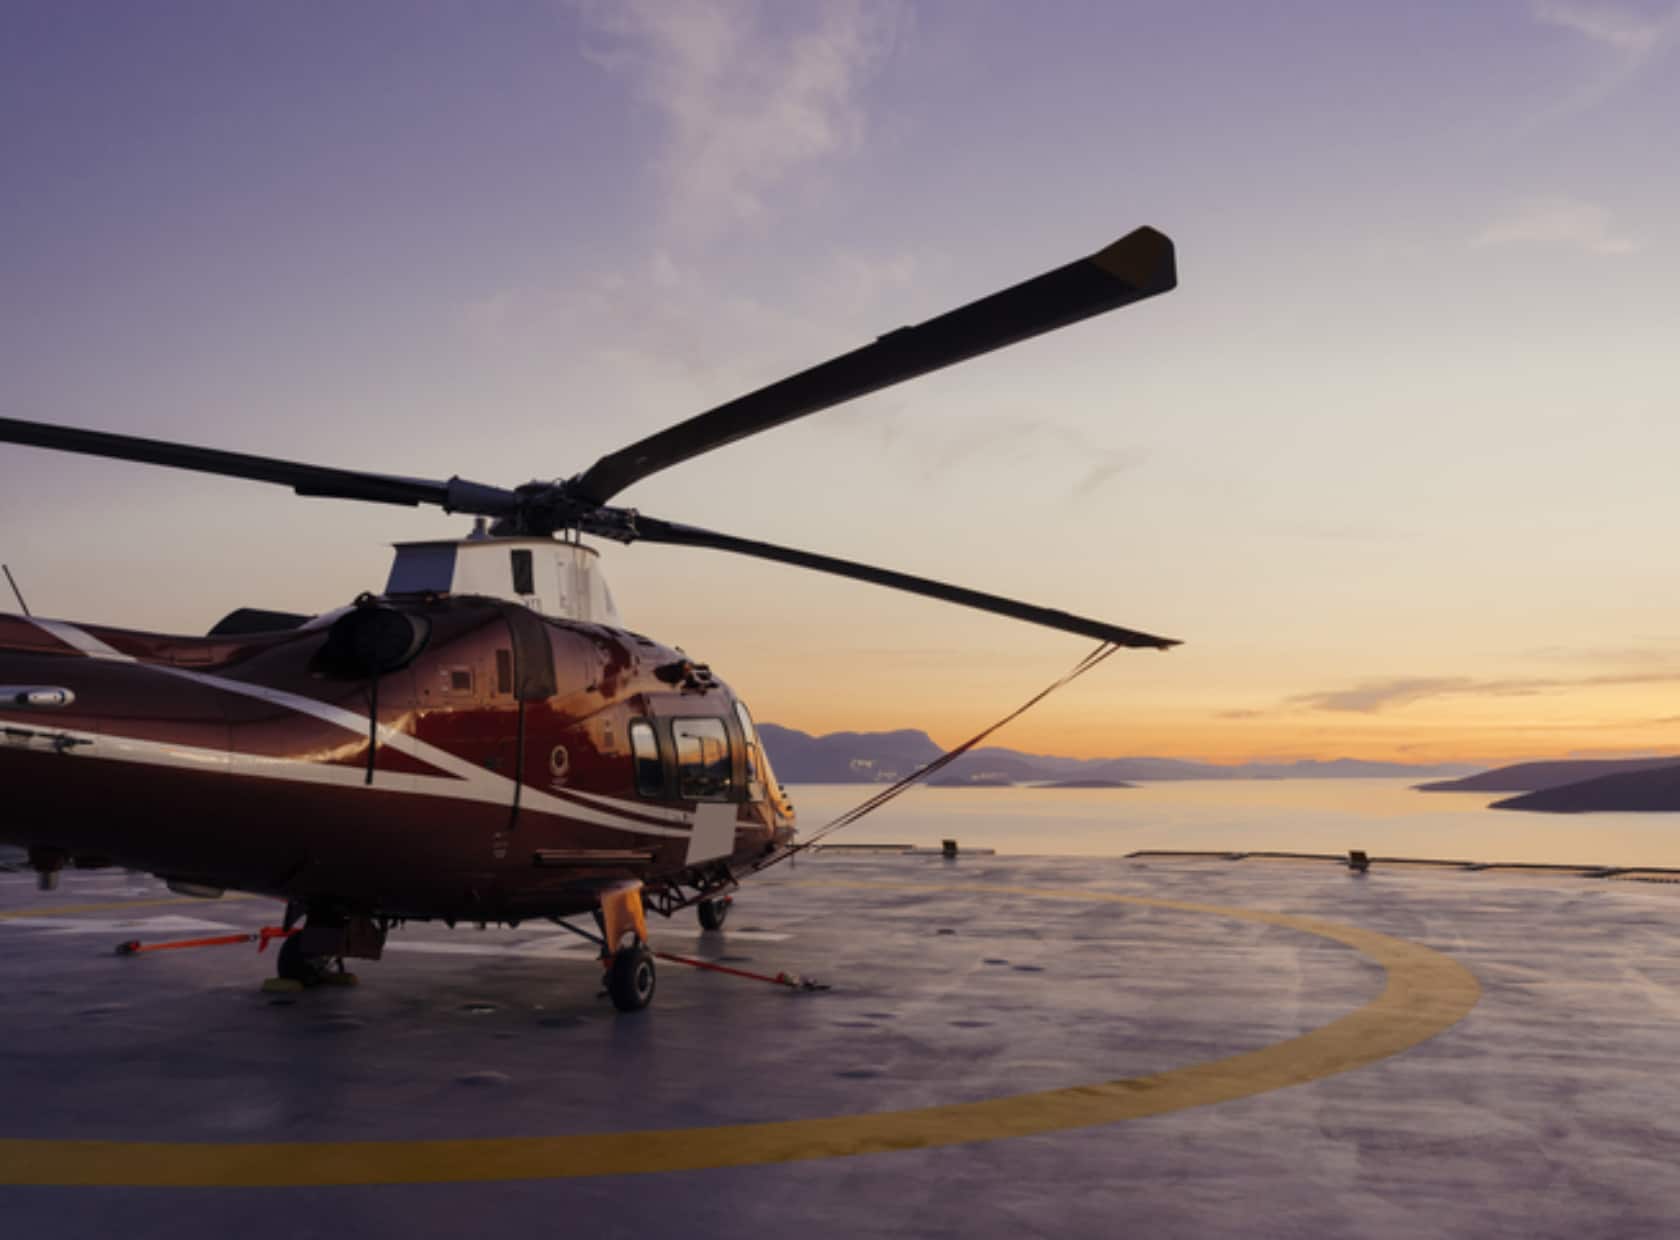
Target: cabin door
(524,681)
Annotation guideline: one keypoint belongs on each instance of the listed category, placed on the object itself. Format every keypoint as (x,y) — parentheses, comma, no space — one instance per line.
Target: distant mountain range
(882,757)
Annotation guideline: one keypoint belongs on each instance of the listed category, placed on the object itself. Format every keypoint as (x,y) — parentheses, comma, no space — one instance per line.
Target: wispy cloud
(749,93)
(1335,530)
(1618,751)
(1632,39)
(664,337)
(1020,438)
(1116,465)
(750,101)
(1663,652)
(1370,697)
(1558,222)
(1629,31)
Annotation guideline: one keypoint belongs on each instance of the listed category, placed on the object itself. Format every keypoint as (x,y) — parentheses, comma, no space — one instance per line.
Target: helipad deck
(1012,1047)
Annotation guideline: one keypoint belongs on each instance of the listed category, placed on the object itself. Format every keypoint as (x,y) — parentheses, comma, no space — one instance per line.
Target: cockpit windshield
(702,759)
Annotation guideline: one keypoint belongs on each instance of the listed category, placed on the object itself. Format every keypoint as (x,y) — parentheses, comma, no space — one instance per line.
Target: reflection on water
(1382,816)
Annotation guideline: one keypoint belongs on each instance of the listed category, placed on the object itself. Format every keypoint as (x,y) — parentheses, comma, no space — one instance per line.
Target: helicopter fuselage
(408,757)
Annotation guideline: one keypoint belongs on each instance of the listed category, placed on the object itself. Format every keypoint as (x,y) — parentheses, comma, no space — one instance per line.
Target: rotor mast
(554,577)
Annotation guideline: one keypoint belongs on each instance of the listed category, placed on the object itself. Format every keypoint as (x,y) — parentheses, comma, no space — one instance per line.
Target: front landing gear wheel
(713,913)
(630,978)
(293,966)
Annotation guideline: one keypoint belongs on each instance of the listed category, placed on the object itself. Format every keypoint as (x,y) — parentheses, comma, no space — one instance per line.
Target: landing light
(36,697)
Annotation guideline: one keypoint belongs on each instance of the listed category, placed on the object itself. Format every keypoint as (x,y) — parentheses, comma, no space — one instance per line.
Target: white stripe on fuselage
(82,640)
(635,807)
(467,781)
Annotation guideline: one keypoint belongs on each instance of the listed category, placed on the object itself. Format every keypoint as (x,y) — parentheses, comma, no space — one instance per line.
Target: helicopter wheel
(713,913)
(293,965)
(630,978)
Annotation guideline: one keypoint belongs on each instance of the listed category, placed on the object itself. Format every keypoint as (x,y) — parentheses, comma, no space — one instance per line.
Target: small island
(1541,776)
(1089,783)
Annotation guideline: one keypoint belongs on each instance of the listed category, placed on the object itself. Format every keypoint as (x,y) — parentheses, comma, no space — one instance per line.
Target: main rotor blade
(455,495)
(1138,265)
(651,529)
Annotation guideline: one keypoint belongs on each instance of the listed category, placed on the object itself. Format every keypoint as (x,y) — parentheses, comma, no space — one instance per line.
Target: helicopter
(484,740)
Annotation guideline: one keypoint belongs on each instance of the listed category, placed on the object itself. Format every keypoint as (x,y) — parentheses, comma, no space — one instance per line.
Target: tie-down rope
(875,802)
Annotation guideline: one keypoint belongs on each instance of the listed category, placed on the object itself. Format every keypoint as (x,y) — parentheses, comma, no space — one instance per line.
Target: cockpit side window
(644,748)
(703,763)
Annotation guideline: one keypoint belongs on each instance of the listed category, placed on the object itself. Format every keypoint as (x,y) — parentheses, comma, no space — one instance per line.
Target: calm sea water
(1306,815)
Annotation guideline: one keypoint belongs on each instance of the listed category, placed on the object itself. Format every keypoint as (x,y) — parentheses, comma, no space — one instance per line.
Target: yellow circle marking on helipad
(70,910)
(1426,993)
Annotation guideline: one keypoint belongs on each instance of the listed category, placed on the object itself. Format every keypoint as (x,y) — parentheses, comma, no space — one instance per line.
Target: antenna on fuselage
(12,581)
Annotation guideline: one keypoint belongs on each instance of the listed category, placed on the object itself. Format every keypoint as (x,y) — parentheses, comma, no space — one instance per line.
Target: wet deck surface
(1551,1109)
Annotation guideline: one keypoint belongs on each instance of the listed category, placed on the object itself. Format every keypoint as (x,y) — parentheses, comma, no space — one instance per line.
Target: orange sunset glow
(1394,461)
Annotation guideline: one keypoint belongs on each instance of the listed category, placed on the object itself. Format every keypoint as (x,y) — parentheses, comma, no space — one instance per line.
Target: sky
(1394,461)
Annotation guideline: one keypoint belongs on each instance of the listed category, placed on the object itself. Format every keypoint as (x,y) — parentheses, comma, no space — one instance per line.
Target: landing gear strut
(295,965)
(629,963)
(316,953)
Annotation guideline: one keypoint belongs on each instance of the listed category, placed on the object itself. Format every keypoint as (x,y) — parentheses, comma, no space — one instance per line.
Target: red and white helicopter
(483,741)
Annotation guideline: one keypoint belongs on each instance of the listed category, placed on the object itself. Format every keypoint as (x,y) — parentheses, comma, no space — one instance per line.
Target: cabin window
(702,759)
(504,671)
(458,679)
(650,773)
(524,580)
(755,769)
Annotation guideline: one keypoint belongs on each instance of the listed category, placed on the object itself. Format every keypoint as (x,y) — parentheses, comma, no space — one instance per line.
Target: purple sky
(1396,459)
